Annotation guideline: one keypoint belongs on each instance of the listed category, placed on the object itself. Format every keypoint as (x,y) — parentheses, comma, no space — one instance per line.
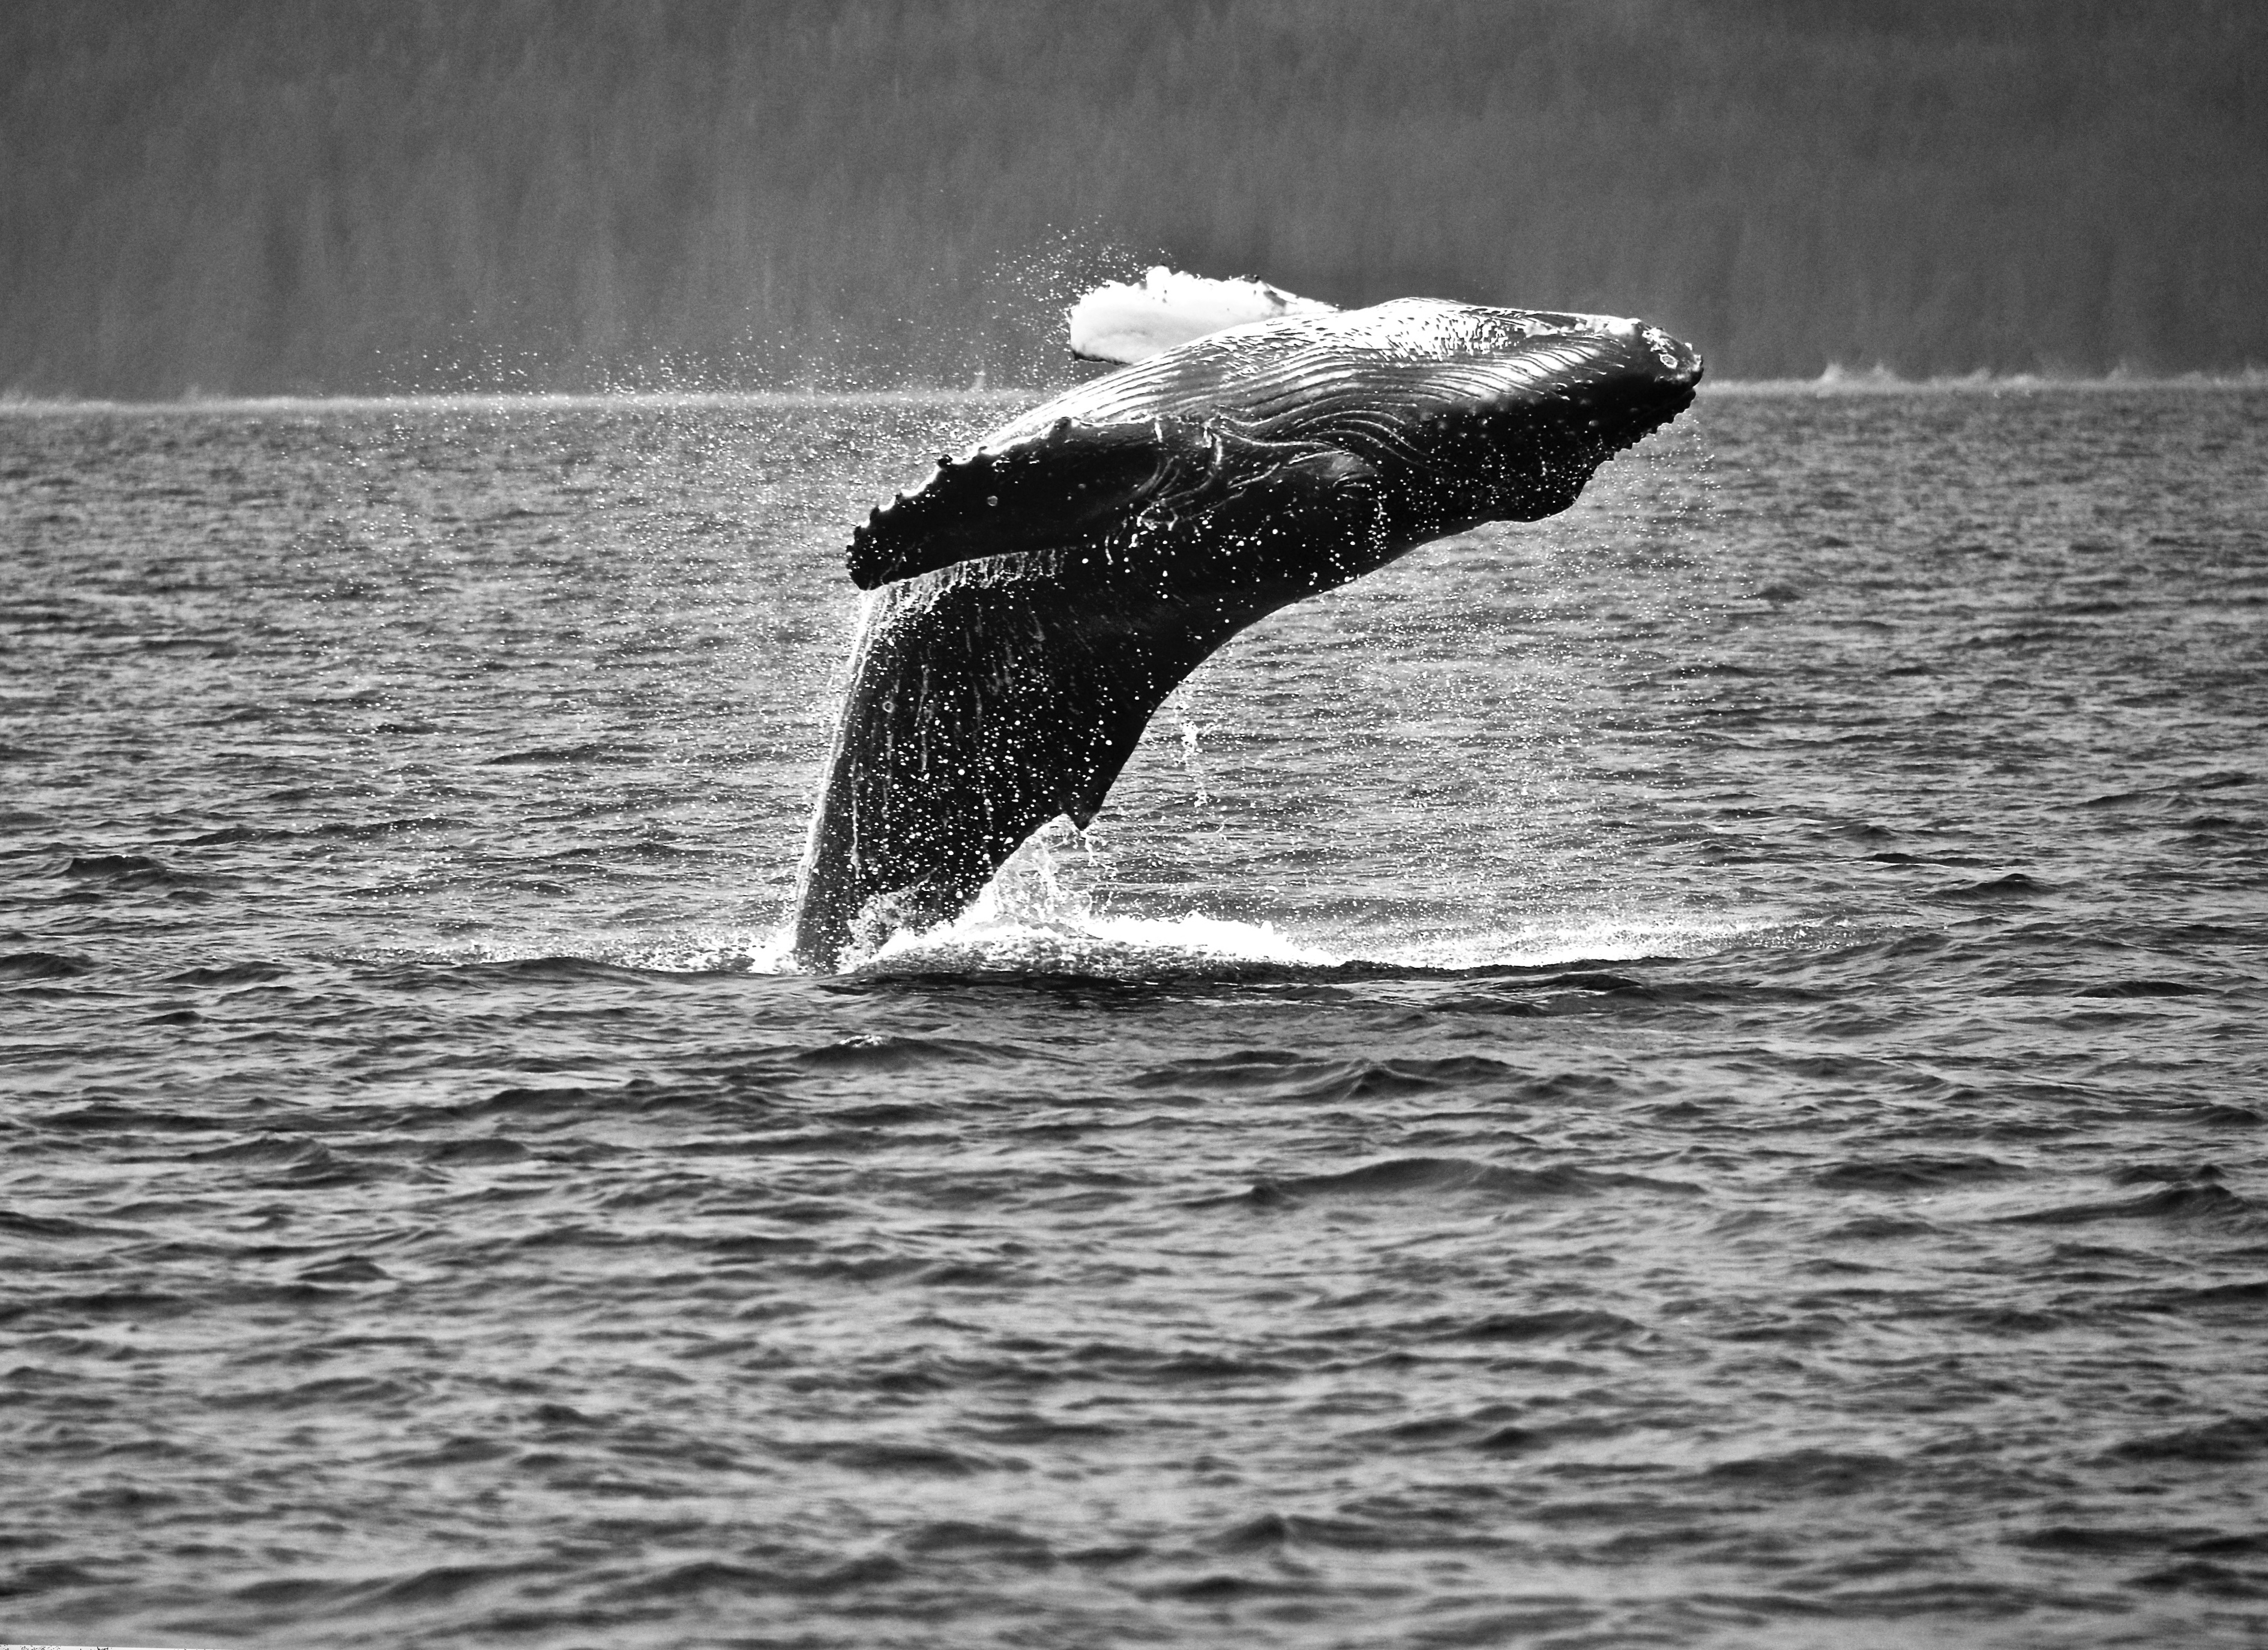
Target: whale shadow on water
(1037,598)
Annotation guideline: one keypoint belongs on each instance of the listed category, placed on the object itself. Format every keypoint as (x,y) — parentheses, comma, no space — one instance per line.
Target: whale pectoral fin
(1068,482)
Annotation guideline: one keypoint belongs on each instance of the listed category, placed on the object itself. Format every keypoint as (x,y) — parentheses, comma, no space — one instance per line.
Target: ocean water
(1691,1074)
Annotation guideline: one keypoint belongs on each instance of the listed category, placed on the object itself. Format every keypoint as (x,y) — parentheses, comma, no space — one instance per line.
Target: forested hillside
(269,196)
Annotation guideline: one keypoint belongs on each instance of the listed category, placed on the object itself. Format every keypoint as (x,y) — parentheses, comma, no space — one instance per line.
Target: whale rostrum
(1037,598)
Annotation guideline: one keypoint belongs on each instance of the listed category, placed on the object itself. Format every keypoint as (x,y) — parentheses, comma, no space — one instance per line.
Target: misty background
(374,196)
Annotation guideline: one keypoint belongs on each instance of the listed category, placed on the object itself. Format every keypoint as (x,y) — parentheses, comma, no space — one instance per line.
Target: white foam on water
(1041,915)
(1194,943)
(1044,923)
(1595,939)
(1046,913)
(1098,947)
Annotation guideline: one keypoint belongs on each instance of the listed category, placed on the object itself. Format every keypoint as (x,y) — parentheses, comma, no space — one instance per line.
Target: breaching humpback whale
(1040,594)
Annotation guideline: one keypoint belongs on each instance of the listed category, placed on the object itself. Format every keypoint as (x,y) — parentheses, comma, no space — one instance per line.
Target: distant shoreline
(1833,384)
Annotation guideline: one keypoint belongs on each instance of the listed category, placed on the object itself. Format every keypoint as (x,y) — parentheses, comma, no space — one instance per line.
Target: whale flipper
(1038,597)
(1069,482)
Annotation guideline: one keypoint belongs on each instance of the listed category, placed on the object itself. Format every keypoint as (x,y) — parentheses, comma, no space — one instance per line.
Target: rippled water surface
(1693,1074)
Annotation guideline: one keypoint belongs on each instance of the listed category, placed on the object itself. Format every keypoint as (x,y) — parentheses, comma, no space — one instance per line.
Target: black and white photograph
(1068,825)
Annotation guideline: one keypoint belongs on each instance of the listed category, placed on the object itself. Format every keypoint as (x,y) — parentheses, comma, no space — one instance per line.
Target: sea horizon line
(1836,380)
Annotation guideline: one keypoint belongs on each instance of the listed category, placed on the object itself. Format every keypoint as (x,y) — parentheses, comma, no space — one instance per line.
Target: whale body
(1038,596)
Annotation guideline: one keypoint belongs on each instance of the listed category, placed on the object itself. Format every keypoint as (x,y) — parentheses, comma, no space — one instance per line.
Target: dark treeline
(304,195)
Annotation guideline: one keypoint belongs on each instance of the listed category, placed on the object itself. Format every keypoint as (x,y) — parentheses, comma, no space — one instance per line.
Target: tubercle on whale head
(1669,360)
(1680,362)
(1652,379)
